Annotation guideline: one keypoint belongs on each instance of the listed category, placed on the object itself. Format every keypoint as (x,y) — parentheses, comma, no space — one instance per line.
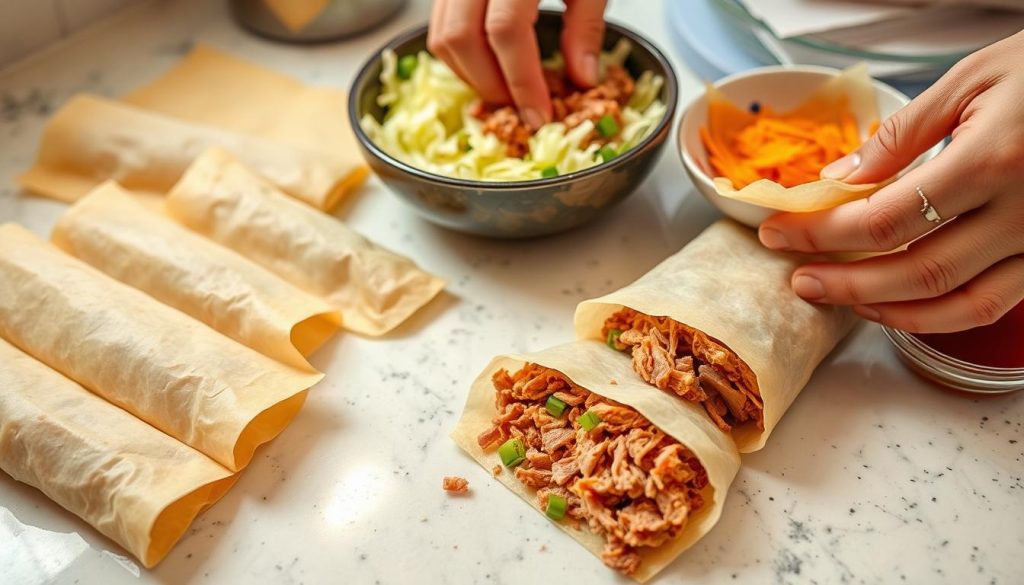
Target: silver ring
(927,210)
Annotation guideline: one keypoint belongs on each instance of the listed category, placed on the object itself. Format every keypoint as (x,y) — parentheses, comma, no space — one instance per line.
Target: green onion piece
(613,338)
(549,172)
(406,65)
(555,406)
(589,420)
(464,144)
(512,452)
(556,507)
(607,126)
(607,153)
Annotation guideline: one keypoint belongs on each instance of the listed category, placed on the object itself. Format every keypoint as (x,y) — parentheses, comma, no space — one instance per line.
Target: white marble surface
(873,477)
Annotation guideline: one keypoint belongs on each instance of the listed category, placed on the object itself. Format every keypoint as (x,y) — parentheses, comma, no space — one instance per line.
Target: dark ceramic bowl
(516,209)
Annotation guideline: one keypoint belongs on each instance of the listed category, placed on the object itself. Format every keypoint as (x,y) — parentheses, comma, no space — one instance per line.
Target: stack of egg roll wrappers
(184,331)
(295,135)
(725,284)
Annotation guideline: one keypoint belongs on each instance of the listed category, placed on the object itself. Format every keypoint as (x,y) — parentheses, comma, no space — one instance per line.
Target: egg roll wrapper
(592,366)
(374,289)
(177,374)
(115,233)
(727,285)
(851,91)
(131,482)
(295,15)
(93,139)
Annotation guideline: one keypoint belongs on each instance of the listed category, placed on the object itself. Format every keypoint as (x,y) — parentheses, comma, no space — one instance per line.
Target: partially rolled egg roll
(718,324)
(635,476)
(177,374)
(133,483)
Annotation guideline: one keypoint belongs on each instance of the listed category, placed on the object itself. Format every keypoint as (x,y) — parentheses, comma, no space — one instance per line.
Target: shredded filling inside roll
(688,363)
(630,482)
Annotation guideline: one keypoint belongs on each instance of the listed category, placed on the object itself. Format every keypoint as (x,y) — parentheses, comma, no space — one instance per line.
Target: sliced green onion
(549,172)
(512,452)
(607,153)
(464,144)
(406,65)
(556,507)
(555,406)
(589,420)
(607,126)
(613,337)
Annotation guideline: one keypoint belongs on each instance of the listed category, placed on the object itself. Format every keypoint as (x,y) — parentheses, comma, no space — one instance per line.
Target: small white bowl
(782,89)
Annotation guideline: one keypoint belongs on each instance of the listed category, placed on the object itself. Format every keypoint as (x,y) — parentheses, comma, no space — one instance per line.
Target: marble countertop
(873,476)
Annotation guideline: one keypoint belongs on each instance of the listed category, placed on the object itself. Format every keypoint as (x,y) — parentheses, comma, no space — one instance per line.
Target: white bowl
(781,88)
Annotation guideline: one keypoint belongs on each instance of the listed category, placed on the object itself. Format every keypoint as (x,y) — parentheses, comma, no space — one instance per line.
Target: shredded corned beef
(631,483)
(455,484)
(688,363)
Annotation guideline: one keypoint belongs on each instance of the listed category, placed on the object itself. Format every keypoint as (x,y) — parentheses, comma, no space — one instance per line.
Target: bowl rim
(671,88)
(690,162)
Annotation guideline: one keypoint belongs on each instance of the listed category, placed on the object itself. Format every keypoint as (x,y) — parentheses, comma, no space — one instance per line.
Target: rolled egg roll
(177,374)
(374,289)
(115,233)
(635,476)
(718,324)
(131,482)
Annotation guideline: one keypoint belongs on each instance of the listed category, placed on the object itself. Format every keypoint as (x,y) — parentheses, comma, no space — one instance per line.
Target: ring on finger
(927,209)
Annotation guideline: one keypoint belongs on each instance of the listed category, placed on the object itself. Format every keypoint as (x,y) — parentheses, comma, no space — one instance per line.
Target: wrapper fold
(92,139)
(374,289)
(113,232)
(852,91)
(171,371)
(593,366)
(727,285)
(131,482)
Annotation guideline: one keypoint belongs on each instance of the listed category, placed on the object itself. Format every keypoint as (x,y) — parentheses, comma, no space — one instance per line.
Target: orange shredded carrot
(790,149)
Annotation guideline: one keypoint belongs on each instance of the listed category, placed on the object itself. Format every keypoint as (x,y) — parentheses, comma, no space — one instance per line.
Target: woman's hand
(492,46)
(970,270)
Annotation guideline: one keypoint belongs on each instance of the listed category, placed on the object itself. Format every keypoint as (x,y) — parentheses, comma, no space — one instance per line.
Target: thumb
(582,36)
(901,138)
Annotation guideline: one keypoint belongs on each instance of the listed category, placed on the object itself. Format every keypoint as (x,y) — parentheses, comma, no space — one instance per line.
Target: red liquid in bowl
(999,345)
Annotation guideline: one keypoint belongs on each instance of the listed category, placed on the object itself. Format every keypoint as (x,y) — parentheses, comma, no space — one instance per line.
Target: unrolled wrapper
(92,139)
(172,371)
(727,285)
(852,90)
(593,366)
(374,289)
(115,233)
(131,482)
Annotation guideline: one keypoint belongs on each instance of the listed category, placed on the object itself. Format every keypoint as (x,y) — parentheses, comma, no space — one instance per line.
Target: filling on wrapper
(600,462)
(688,363)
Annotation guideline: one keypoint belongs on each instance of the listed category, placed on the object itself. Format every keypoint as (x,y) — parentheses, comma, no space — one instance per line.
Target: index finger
(509,26)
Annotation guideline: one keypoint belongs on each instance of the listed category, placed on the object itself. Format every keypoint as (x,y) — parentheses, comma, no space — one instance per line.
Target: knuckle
(883,227)
(851,291)
(933,276)
(502,26)
(458,38)
(890,136)
(987,308)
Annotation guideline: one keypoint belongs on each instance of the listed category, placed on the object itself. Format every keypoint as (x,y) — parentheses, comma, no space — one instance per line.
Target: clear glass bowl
(948,371)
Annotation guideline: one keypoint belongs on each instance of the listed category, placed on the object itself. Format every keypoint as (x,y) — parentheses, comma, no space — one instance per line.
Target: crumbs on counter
(496,470)
(454,484)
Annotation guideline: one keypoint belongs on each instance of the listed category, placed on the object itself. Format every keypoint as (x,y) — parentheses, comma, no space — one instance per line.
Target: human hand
(491,45)
(967,272)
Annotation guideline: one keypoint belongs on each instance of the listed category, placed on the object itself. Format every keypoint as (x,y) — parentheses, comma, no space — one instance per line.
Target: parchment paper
(375,289)
(128,480)
(593,366)
(118,235)
(726,284)
(92,139)
(166,368)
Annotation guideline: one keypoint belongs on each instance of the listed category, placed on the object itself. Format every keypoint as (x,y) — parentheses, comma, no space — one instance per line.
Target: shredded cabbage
(428,125)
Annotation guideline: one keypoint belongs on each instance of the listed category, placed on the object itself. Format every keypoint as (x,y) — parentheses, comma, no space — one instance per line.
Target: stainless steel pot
(341,18)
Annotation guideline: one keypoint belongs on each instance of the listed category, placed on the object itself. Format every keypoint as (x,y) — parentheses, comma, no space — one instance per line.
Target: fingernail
(773,238)
(842,168)
(532,118)
(807,287)
(590,68)
(867,312)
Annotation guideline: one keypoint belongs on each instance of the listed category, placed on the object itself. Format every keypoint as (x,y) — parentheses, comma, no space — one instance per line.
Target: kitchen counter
(873,476)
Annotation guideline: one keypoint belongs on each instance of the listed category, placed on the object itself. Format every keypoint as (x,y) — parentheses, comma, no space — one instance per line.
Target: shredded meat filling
(454,484)
(691,365)
(630,482)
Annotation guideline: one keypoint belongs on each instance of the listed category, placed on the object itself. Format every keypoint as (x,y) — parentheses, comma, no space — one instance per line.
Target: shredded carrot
(790,149)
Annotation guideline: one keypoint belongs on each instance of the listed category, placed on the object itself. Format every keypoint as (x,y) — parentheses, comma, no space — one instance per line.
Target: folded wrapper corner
(725,284)
(852,90)
(592,366)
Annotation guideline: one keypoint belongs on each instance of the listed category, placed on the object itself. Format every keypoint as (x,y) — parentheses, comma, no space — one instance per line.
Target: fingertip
(773,238)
